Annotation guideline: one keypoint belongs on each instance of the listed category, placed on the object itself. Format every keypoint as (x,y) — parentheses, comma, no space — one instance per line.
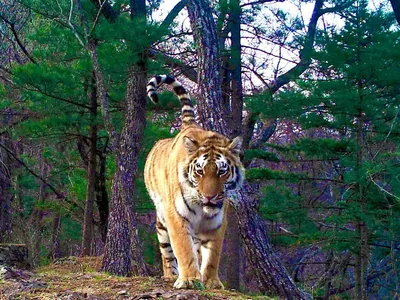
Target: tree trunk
(55,237)
(271,274)
(396,9)
(102,196)
(208,80)
(6,195)
(233,257)
(361,262)
(235,124)
(87,234)
(236,65)
(123,252)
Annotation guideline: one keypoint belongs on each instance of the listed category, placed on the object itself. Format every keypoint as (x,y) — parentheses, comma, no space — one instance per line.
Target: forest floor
(77,278)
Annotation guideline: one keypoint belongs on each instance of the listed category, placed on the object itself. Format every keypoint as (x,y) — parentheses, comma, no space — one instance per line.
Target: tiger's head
(214,168)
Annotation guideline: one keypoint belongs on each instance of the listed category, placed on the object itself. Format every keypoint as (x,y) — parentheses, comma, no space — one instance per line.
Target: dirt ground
(77,278)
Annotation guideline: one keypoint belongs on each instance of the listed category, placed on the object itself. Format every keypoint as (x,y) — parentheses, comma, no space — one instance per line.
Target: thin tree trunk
(87,234)
(363,249)
(36,218)
(102,197)
(6,195)
(55,237)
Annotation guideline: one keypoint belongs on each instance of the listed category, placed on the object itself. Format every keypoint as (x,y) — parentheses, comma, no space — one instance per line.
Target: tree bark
(236,66)
(87,234)
(6,195)
(396,9)
(235,124)
(55,237)
(102,196)
(209,79)
(123,252)
(271,274)
(233,259)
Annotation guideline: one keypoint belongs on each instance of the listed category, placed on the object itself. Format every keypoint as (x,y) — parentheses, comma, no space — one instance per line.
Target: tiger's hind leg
(170,265)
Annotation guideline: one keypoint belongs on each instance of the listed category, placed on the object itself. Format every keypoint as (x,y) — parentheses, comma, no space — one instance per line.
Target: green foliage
(268,174)
(345,137)
(249,154)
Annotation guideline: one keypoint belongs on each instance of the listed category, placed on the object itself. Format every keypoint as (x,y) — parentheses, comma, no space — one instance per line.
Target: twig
(73,27)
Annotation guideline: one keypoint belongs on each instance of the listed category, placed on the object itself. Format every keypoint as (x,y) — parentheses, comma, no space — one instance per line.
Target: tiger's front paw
(188,283)
(214,283)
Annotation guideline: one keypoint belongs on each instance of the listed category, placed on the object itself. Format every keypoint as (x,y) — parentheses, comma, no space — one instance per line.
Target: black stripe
(169,80)
(165,245)
(187,205)
(170,259)
(152,84)
(158,79)
(160,226)
(180,90)
(205,242)
(183,217)
(151,90)
(187,111)
(154,97)
(185,100)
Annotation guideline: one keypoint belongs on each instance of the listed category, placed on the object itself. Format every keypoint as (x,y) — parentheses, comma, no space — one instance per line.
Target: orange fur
(186,177)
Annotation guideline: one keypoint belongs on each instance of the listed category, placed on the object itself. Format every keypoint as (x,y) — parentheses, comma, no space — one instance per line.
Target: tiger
(188,178)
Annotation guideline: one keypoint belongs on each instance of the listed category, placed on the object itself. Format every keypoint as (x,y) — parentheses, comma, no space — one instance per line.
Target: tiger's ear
(236,145)
(190,145)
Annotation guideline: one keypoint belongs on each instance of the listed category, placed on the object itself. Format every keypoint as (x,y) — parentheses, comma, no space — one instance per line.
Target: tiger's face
(213,170)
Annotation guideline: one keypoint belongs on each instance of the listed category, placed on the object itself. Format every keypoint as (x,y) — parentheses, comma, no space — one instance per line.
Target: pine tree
(339,190)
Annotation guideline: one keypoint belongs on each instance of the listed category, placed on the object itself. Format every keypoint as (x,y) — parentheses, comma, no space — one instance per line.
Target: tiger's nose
(209,198)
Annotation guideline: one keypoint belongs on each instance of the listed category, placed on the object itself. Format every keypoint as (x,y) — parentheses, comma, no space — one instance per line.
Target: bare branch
(73,27)
(19,42)
(260,2)
(108,12)
(186,70)
(305,59)
(173,13)
(45,182)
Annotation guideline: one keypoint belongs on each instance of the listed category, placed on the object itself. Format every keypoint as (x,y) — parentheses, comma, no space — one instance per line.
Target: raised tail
(187,106)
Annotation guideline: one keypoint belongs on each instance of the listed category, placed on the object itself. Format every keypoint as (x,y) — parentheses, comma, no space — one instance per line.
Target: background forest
(312,86)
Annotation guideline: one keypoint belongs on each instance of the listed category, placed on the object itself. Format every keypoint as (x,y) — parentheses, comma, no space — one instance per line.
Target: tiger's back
(187,178)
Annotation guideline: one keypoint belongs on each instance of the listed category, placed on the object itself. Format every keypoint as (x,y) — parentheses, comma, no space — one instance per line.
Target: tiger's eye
(222,172)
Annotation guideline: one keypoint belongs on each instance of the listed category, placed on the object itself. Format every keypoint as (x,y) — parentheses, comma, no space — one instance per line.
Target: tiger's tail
(188,116)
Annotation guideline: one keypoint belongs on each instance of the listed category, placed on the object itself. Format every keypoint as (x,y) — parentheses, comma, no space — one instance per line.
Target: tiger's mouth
(218,204)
